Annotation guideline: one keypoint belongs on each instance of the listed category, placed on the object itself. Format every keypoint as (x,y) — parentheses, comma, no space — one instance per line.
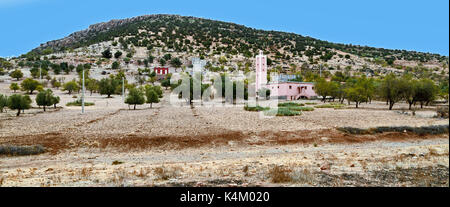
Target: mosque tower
(261,70)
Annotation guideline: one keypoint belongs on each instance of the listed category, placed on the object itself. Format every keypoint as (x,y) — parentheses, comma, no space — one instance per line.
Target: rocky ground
(168,145)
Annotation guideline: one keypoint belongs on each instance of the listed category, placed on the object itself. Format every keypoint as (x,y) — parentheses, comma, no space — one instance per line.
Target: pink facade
(292,90)
(289,90)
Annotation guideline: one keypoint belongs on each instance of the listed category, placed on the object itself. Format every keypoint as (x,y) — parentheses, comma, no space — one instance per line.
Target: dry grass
(166,173)
(279,174)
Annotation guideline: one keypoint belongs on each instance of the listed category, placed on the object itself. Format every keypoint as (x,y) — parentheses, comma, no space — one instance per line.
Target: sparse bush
(255,108)
(11,150)
(78,103)
(290,104)
(163,173)
(116,162)
(301,108)
(282,112)
(424,130)
(280,174)
(330,105)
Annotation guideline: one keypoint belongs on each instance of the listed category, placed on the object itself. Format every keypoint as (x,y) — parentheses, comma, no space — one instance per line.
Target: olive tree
(135,97)
(19,102)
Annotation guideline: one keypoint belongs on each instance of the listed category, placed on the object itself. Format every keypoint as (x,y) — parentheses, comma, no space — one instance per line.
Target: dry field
(168,145)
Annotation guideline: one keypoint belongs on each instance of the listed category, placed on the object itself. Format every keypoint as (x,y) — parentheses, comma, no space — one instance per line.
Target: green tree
(135,97)
(14,87)
(19,102)
(165,83)
(426,92)
(176,62)
(108,86)
(410,90)
(107,53)
(92,85)
(115,65)
(356,94)
(17,74)
(55,100)
(325,88)
(162,61)
(71,86)
(391,89)
(3,102)
(117,54)
(45,98)
(152,96)
(29,85)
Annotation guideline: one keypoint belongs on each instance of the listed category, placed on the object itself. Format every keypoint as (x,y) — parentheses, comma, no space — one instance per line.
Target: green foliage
(19,102)
(325,88)
(17,74)
(3,102)
(107,54)
(117,54)
(301,108)
(152,95)
(330,105)
(135,97)
(71,86)
(165,83)
(115,65)
(290,104)
(108,86)
(176,62)
(46,98)
(14,87)
(78,102)
(255,108)
(392,89)
(29,85)
(283,111)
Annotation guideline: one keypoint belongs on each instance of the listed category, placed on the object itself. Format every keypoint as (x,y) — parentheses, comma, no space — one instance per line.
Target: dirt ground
(168,145)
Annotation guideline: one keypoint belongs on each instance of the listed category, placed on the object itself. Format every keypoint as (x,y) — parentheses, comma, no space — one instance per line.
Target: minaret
(261,70)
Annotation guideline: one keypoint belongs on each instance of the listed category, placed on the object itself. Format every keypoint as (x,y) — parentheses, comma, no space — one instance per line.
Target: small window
(278,86)
(290,87)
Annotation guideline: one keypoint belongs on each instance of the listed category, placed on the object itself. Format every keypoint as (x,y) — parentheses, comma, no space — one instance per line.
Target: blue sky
(396,24)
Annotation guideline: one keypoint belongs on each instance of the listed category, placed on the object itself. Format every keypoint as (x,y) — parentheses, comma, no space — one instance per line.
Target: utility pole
(123,89)
(320,69)
(82,96)
(40,75)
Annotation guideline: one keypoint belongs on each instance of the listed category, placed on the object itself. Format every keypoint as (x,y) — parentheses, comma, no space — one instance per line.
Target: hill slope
(175,32)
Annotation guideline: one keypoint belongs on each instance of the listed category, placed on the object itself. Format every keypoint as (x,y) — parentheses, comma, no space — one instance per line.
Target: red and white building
(161,71)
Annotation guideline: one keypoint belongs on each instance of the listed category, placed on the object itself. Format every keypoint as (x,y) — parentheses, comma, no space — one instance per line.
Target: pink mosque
(288,90)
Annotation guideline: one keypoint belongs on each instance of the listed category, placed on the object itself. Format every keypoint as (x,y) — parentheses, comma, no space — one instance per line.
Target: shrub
(78,103)
(116,162)
(424,130)
(331,105)
(163,173)
(301,108)
(21,150)
(280,175)
(255,108)
(282,112)
(3,102)
(290,104)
